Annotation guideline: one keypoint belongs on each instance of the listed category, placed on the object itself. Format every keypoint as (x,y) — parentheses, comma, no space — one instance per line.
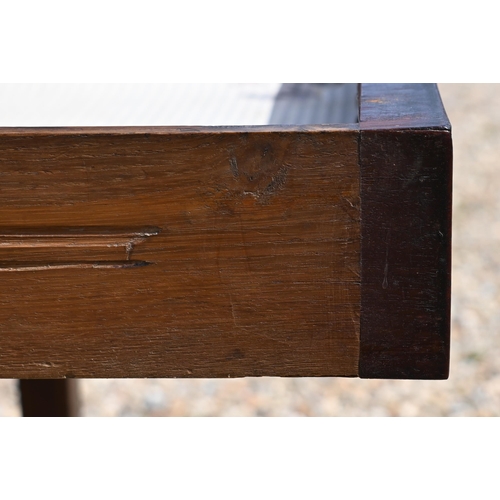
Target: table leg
(49,398)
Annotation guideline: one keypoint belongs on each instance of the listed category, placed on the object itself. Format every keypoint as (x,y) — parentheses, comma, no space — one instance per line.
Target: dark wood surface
(406,182)
(174,253)
(230,251)
(401,106)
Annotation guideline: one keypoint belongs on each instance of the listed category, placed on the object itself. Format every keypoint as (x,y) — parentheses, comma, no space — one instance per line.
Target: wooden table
(316,245)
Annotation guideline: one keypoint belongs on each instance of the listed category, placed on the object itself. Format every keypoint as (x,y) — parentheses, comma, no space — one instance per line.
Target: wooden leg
(49,398)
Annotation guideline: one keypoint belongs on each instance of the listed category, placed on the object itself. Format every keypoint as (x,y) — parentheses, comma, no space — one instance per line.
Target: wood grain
(406,184)
(64,248)
(254,267)
(231,251)
(399,106)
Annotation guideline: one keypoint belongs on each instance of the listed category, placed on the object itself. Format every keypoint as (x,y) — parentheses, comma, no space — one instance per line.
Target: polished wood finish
(399,106)
(406,184)
(230,251)
(179,253)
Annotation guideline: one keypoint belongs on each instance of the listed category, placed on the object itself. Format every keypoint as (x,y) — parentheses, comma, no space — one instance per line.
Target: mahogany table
(318,244)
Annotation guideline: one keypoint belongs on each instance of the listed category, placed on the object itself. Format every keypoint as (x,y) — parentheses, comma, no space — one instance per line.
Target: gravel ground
(473,388)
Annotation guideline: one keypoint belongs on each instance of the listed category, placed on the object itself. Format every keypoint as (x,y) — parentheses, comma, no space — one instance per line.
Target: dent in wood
(260,167)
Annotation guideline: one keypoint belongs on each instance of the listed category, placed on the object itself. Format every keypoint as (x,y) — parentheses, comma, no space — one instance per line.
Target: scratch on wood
(232,309)
(67,238)
(47,364)
(234,166)
(385,283)
(75,237)
(125,264)
(277,182)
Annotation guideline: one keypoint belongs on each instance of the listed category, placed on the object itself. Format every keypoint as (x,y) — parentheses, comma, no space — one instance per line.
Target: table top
(175,104)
